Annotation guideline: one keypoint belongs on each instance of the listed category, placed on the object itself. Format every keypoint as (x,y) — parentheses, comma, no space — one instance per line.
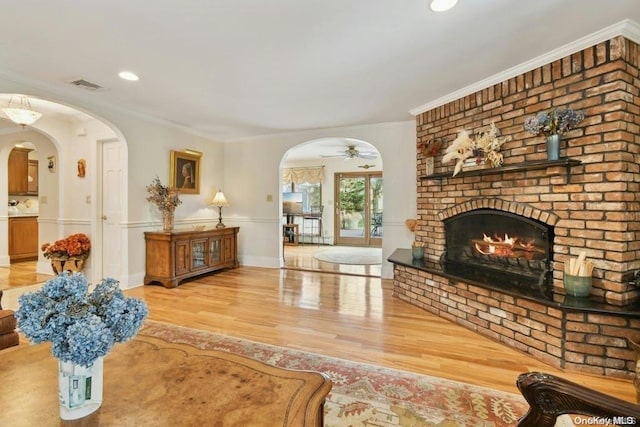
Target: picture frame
(185,172)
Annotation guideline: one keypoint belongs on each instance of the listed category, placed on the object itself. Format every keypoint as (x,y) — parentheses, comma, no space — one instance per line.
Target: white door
(111,203)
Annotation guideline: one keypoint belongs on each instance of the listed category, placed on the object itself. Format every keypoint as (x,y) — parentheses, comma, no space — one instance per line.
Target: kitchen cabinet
(23,238)
(177,255)
(32,178)
(20,169)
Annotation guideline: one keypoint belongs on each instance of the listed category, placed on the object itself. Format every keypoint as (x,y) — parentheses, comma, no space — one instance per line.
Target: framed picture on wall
(185,172)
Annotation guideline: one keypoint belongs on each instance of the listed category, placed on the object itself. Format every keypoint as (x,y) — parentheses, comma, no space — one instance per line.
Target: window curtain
(311,175)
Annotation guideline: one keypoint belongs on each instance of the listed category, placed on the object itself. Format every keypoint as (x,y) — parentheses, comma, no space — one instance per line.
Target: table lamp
(219,200)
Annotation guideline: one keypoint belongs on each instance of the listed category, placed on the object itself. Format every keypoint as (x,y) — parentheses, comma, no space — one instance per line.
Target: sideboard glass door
(215,250)
(198,254)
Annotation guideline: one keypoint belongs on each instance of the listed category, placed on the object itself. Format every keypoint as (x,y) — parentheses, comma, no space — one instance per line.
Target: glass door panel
(215,255)
(351,210)
(198,254)
(358,215)
(376,208)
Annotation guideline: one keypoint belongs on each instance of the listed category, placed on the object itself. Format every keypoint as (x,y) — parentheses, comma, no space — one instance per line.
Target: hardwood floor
(21,274)
(298,257)
(347,316)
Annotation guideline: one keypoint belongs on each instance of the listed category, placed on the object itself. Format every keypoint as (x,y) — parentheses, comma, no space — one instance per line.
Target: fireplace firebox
(500,249)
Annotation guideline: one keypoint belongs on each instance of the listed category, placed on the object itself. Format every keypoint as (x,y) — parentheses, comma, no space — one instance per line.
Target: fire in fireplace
(500,249)
(512,247)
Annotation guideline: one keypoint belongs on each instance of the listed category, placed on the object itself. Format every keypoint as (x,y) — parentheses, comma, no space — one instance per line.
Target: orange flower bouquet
(76,246)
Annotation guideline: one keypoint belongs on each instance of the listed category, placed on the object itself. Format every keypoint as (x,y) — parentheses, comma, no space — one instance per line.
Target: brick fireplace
(589,199)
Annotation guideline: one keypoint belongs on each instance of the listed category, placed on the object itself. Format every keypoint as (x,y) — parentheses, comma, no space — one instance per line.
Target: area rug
(350,255)
(368,395)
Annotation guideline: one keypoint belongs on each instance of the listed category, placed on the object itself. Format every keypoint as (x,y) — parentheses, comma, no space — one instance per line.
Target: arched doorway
(68,201)
(312,173)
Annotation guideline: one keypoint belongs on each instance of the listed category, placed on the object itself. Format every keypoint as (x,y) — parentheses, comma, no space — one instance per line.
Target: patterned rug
(368,395)
(350,255)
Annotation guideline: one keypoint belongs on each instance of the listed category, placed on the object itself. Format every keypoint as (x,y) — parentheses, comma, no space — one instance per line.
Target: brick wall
(595,210)
(587,342)
(599,207)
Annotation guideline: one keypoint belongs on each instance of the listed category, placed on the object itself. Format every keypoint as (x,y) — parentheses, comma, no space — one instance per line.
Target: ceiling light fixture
(128,75)
(442,5)
(20,112)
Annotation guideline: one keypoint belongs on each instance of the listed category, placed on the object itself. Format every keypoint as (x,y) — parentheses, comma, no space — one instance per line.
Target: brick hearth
(593,206)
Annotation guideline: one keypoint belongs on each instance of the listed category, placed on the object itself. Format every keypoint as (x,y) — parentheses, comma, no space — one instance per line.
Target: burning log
(503,247)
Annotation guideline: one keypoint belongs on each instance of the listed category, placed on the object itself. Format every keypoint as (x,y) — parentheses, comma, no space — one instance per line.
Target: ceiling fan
(353,153)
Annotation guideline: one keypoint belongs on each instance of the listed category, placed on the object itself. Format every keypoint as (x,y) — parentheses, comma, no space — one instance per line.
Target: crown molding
(627,28)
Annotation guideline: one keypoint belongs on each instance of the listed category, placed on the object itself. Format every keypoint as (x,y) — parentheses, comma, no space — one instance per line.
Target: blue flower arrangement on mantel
(81,325)
(554,122)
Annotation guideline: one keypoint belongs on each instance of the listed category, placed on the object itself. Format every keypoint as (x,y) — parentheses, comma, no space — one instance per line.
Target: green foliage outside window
(352,195)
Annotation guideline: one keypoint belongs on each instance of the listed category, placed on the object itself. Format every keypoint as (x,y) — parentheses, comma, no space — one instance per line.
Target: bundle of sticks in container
(579,266)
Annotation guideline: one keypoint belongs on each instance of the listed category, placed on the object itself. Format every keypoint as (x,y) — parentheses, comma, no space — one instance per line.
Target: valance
(310,175)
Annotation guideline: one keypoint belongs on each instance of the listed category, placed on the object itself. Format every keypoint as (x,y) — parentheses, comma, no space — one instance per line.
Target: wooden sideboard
(176,255)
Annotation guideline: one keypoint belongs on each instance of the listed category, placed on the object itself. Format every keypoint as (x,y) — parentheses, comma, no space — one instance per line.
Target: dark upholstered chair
(550,396)
(8,336)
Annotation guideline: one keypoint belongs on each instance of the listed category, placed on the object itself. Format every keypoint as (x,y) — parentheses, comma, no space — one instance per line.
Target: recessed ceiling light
(128,75)
(442,5)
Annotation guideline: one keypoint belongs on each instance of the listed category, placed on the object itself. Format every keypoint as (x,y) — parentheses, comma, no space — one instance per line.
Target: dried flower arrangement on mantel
(484,146)
(430,150)
(431,147)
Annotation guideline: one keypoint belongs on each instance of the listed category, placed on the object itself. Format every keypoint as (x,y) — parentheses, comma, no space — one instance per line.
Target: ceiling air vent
(85,84)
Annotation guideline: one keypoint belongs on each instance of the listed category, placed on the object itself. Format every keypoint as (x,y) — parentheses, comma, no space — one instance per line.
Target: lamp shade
(219,199)
(21,112)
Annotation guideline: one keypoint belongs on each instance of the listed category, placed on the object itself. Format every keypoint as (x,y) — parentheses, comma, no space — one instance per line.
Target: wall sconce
(219,200)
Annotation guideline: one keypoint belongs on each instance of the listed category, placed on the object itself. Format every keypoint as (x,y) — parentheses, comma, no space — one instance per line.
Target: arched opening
(66,199)
(332,206)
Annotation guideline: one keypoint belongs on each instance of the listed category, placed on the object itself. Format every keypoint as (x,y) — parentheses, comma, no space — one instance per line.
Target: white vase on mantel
(429,165)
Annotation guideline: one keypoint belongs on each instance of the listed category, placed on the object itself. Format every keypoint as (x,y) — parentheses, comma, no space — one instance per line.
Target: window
(311,195)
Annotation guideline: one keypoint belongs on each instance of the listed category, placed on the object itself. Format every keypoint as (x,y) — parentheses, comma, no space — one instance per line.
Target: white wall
(252,171)
(148,144)
(247,170)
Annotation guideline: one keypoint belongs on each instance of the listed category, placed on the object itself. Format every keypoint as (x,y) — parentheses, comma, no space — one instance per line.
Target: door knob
(104,217)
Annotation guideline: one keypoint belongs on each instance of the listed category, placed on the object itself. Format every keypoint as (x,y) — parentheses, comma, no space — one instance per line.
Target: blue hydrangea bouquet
(81,325)
(554,122)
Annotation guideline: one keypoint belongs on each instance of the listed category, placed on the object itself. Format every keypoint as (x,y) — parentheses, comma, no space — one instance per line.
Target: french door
(358,208)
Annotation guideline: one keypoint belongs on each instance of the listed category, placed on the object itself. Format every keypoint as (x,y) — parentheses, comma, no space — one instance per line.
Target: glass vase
(553,147)
(79,388)
(429,165)
(167,220)
(417,252)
